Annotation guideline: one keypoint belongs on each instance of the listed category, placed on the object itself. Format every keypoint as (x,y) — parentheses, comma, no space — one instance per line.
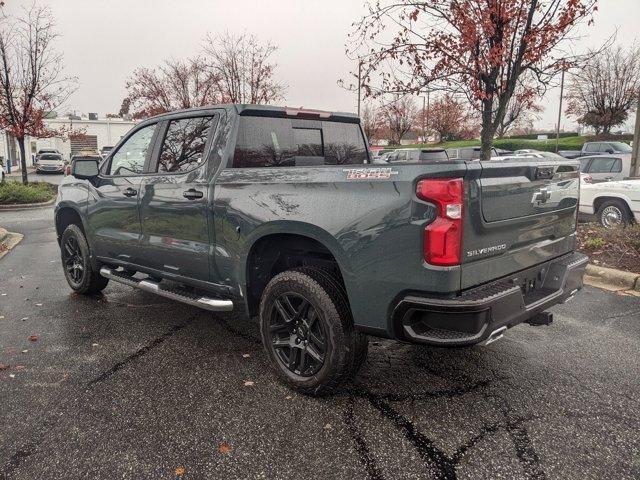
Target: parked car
(414,155)
(468,153)
(104,151)
(605,168)
(598,148)
(50,163)
(532,155)
(278,213)
(614,203)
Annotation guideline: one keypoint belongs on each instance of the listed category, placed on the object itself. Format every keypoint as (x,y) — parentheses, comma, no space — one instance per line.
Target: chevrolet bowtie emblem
(541,196)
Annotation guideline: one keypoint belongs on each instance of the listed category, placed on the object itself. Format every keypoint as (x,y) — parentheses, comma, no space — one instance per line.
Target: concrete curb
(614,279)
(27,206)
(10,240)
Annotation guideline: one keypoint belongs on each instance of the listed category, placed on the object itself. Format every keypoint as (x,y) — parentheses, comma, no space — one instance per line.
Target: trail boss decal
(382,173)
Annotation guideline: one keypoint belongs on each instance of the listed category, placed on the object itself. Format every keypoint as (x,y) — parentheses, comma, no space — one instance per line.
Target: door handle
(192,194)
(130,192)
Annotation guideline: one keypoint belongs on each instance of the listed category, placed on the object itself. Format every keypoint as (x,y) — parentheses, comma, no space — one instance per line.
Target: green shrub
(12,193)
(594,243)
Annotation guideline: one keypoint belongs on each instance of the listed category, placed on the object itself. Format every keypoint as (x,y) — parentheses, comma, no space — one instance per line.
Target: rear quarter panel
(374,228)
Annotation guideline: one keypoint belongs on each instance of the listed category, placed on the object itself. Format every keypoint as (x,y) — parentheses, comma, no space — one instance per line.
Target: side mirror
(610,151)
(85,168)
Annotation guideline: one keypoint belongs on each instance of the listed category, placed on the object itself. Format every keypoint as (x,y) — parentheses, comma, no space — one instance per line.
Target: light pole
(425,112)
(635,156)
(560,109)
(359,82)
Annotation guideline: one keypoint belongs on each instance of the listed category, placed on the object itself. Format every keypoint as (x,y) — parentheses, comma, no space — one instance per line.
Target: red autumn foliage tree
(480,48)
(174,85)
(451,119)
(606,89)
(399,118)
(32,83)
(244,68)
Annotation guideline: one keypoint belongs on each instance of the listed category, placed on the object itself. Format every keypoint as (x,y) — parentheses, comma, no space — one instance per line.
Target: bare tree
(174,85)
(372,121)
(32,83)
(451,119)
(521,111)
(479,48)
(605,91)
(399,116)
(244,68)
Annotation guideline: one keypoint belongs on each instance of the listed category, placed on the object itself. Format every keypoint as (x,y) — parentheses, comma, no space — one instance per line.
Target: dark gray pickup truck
(279,213)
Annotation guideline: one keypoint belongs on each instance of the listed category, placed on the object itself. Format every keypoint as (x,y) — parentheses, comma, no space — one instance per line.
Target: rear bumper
(473,315)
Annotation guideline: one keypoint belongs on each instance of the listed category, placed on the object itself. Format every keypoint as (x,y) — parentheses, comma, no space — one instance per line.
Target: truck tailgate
(519,213)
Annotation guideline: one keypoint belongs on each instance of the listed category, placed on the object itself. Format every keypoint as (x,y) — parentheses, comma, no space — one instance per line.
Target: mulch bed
(615,248)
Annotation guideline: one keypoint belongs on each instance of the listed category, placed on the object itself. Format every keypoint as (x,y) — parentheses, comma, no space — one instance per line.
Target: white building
(96,133)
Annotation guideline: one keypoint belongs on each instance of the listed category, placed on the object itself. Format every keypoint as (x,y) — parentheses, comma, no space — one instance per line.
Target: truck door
(113,218)
(174,200)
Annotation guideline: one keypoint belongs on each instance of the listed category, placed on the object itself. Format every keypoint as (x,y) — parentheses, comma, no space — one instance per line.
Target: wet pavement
(129,385)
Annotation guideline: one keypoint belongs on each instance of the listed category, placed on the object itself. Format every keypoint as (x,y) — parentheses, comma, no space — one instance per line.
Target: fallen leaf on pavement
(327,427)
(38,304)
(11,375)
(1,317)
(33,338)
(180,471)
(3,366)
(245,355)
(224,448)
(288,397)
(94,344)
(248,383)
(25,351)
(24,318)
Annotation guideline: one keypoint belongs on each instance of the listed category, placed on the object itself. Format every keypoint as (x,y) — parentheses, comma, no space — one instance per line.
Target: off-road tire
(90,282)
(346,348)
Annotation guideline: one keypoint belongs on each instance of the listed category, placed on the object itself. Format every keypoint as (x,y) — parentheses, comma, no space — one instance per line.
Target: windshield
(621,147)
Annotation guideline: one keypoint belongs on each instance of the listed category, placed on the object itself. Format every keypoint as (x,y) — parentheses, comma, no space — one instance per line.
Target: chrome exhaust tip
(497,334)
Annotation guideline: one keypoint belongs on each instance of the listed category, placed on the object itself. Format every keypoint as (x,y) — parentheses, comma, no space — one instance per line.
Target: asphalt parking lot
(129,385)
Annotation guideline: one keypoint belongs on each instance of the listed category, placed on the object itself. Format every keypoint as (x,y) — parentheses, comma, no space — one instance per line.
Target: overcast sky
(104,41)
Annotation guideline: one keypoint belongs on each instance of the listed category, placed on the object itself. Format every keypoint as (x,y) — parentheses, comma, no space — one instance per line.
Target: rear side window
(592,147)
(617,166)
(183,147)
(602,165)
(284,142)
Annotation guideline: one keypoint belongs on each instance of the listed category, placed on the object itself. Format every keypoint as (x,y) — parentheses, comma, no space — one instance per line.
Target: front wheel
(308,332)
(74,252)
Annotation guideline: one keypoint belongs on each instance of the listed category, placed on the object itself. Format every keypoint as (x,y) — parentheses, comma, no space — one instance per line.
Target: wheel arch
(285,246)
(66,215)
(599,200)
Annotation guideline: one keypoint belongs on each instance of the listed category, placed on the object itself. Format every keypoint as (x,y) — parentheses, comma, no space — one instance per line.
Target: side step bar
(213,304)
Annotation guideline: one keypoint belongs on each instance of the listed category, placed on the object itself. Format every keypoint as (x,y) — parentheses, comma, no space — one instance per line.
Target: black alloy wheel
(297,334)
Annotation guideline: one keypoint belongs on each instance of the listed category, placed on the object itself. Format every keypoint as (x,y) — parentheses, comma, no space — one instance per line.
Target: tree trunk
(486,137)
(23,160)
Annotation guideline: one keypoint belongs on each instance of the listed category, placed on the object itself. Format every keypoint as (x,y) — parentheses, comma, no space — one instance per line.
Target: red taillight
(443,237)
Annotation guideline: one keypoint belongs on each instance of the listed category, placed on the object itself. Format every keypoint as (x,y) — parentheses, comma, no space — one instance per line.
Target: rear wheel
(78,271)
(614,213)
(307,330)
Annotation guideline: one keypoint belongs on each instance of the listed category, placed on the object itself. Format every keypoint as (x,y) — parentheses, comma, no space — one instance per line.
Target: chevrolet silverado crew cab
(281,214)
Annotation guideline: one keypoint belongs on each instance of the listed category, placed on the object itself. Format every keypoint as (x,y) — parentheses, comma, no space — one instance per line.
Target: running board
(213,304)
